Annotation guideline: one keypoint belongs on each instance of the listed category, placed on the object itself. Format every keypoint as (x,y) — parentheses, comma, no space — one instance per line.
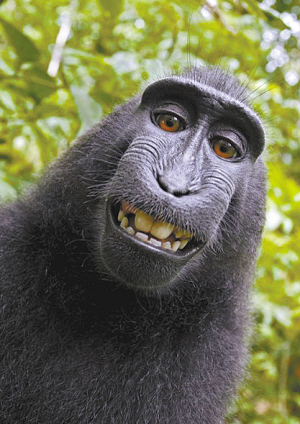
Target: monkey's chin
(136,261)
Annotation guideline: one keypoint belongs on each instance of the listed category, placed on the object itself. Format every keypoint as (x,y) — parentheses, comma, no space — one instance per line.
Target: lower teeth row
(172,246)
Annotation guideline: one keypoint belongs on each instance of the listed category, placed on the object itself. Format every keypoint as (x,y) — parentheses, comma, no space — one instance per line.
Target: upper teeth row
(144,226)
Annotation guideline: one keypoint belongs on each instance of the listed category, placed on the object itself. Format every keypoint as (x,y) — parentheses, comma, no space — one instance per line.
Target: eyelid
(173,109)
(229,140)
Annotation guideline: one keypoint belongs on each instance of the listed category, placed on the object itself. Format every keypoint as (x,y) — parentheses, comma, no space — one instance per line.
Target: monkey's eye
(225,149)
(169,122)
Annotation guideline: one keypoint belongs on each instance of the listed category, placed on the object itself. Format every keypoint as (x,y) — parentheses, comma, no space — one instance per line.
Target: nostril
(180,194)
(173,185)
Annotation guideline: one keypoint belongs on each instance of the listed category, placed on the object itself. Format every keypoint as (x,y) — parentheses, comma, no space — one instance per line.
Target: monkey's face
(180,186)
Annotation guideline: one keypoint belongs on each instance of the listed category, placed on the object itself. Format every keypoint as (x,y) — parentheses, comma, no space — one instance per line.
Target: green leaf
(114,7)
(24,47)
(275,21)
(39,83)
(105,98)
(254,7)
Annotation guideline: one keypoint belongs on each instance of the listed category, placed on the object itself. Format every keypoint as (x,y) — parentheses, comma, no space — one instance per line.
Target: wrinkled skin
(101,327)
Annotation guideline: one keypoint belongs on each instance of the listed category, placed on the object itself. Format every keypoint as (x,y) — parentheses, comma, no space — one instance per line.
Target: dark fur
(90,336)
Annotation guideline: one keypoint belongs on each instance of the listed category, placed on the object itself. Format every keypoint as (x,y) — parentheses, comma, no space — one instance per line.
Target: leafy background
(64,64)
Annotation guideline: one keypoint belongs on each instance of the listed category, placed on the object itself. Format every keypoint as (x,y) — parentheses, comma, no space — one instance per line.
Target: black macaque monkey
(126,271)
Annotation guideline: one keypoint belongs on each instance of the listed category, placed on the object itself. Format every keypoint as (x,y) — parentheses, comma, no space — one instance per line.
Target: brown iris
(224,149)
(168,122)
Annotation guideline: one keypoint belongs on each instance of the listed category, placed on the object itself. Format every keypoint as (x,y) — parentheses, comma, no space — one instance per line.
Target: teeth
(143,221)
(155,242)
(142,236)
(142,224)
(124,222)
(161,230)
(183,243)
(175,245)
(130,231)
(186,235)
(120,215)
(179,233)
(166,245)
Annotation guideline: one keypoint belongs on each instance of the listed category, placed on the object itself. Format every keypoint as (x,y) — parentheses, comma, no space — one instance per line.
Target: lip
(180,255)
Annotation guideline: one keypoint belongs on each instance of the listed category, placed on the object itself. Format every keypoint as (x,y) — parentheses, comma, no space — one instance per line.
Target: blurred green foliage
(64,64)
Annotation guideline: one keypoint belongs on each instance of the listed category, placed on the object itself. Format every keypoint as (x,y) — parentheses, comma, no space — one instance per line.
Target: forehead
(197,92)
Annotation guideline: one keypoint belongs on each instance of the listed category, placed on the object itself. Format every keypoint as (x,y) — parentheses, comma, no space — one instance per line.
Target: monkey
(127,269)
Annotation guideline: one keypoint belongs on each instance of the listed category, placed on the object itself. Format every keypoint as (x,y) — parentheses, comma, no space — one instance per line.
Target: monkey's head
(185,180)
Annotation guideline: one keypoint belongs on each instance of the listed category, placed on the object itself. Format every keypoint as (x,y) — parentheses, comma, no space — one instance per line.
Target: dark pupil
(170,121)
(224,147)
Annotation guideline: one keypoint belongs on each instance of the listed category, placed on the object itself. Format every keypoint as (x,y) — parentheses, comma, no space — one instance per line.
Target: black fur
(99,328)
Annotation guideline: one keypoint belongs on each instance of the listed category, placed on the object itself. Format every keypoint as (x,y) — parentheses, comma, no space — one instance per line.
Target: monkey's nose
(175,183)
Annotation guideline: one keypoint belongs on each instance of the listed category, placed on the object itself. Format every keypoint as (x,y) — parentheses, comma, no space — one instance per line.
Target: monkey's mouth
(147,229)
